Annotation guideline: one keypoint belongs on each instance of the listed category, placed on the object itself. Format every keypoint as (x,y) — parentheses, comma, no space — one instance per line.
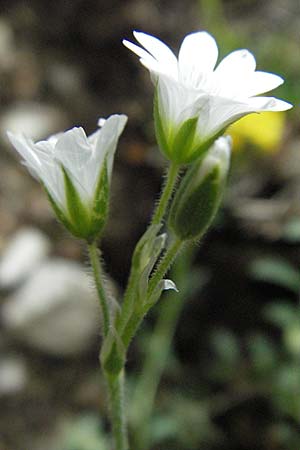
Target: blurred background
(231,377)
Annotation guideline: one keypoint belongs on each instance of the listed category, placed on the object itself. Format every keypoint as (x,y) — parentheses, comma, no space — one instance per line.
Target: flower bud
(199,195)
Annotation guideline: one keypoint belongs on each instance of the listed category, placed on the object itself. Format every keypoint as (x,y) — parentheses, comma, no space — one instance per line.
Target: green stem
(128,301)
(166,194)
(97,271)
(157,352)
(159,213)
(138,314)
(116,398)
(164,265)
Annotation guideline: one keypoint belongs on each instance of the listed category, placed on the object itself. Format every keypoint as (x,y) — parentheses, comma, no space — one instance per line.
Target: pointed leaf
(112,354)
(152,253)
(138,259)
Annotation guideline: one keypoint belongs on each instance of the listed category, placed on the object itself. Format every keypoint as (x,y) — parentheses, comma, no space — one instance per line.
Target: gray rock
(13,375)
(24,253)
(55,311)
(35,120)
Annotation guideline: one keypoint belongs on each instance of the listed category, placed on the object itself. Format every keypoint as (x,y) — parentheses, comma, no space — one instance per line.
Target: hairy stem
(159,213)
(139,313)
(116,399)
(157,352)
(167,191)
(97,271)
(164,265)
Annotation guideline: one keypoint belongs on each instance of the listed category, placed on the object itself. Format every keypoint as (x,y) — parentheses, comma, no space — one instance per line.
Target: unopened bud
(199,195)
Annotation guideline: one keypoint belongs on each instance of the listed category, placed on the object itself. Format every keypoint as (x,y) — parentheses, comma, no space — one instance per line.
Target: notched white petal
(136,49)
(160,51)
(198,53)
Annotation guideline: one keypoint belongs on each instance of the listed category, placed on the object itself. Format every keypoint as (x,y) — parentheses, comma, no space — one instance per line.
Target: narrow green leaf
(112,354)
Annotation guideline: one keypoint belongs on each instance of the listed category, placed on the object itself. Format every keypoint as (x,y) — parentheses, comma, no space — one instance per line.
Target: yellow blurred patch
(264,131)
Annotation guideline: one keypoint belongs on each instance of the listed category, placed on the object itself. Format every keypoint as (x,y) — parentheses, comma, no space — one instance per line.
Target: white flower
(190,87)
(75,171)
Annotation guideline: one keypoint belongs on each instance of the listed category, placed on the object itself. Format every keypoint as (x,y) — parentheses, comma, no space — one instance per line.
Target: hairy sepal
(193,212)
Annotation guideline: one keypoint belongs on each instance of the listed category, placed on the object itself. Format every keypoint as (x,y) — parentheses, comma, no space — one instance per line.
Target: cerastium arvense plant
(194,103)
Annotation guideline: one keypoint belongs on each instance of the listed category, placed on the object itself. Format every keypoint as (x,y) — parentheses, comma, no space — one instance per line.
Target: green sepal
(100,206)
(182,147)
(59,213)
(112,356)
(160,132)
(193,211)
(78,213)
(200,150)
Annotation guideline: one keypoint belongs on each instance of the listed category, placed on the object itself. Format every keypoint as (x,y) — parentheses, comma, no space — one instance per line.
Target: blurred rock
(35,120)
(65,78)
(13,375)
(55,311)
(7,48)
(24,253)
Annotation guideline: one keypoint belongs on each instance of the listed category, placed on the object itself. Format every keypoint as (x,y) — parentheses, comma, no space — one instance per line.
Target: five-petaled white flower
(75,171)
(195,101)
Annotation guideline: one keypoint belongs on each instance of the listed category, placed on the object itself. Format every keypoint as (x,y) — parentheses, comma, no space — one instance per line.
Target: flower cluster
(195,101)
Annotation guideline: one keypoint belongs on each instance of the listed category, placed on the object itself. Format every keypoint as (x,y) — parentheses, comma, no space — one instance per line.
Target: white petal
(157,52)
(169,100)
(107,141)
(222,112)
(218,113)
(39,161)
(139,51)
(73,151)
(25,147)
(261,82)
(198,53)
(269,104)
(197,105)
(160,51)
(239,62)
